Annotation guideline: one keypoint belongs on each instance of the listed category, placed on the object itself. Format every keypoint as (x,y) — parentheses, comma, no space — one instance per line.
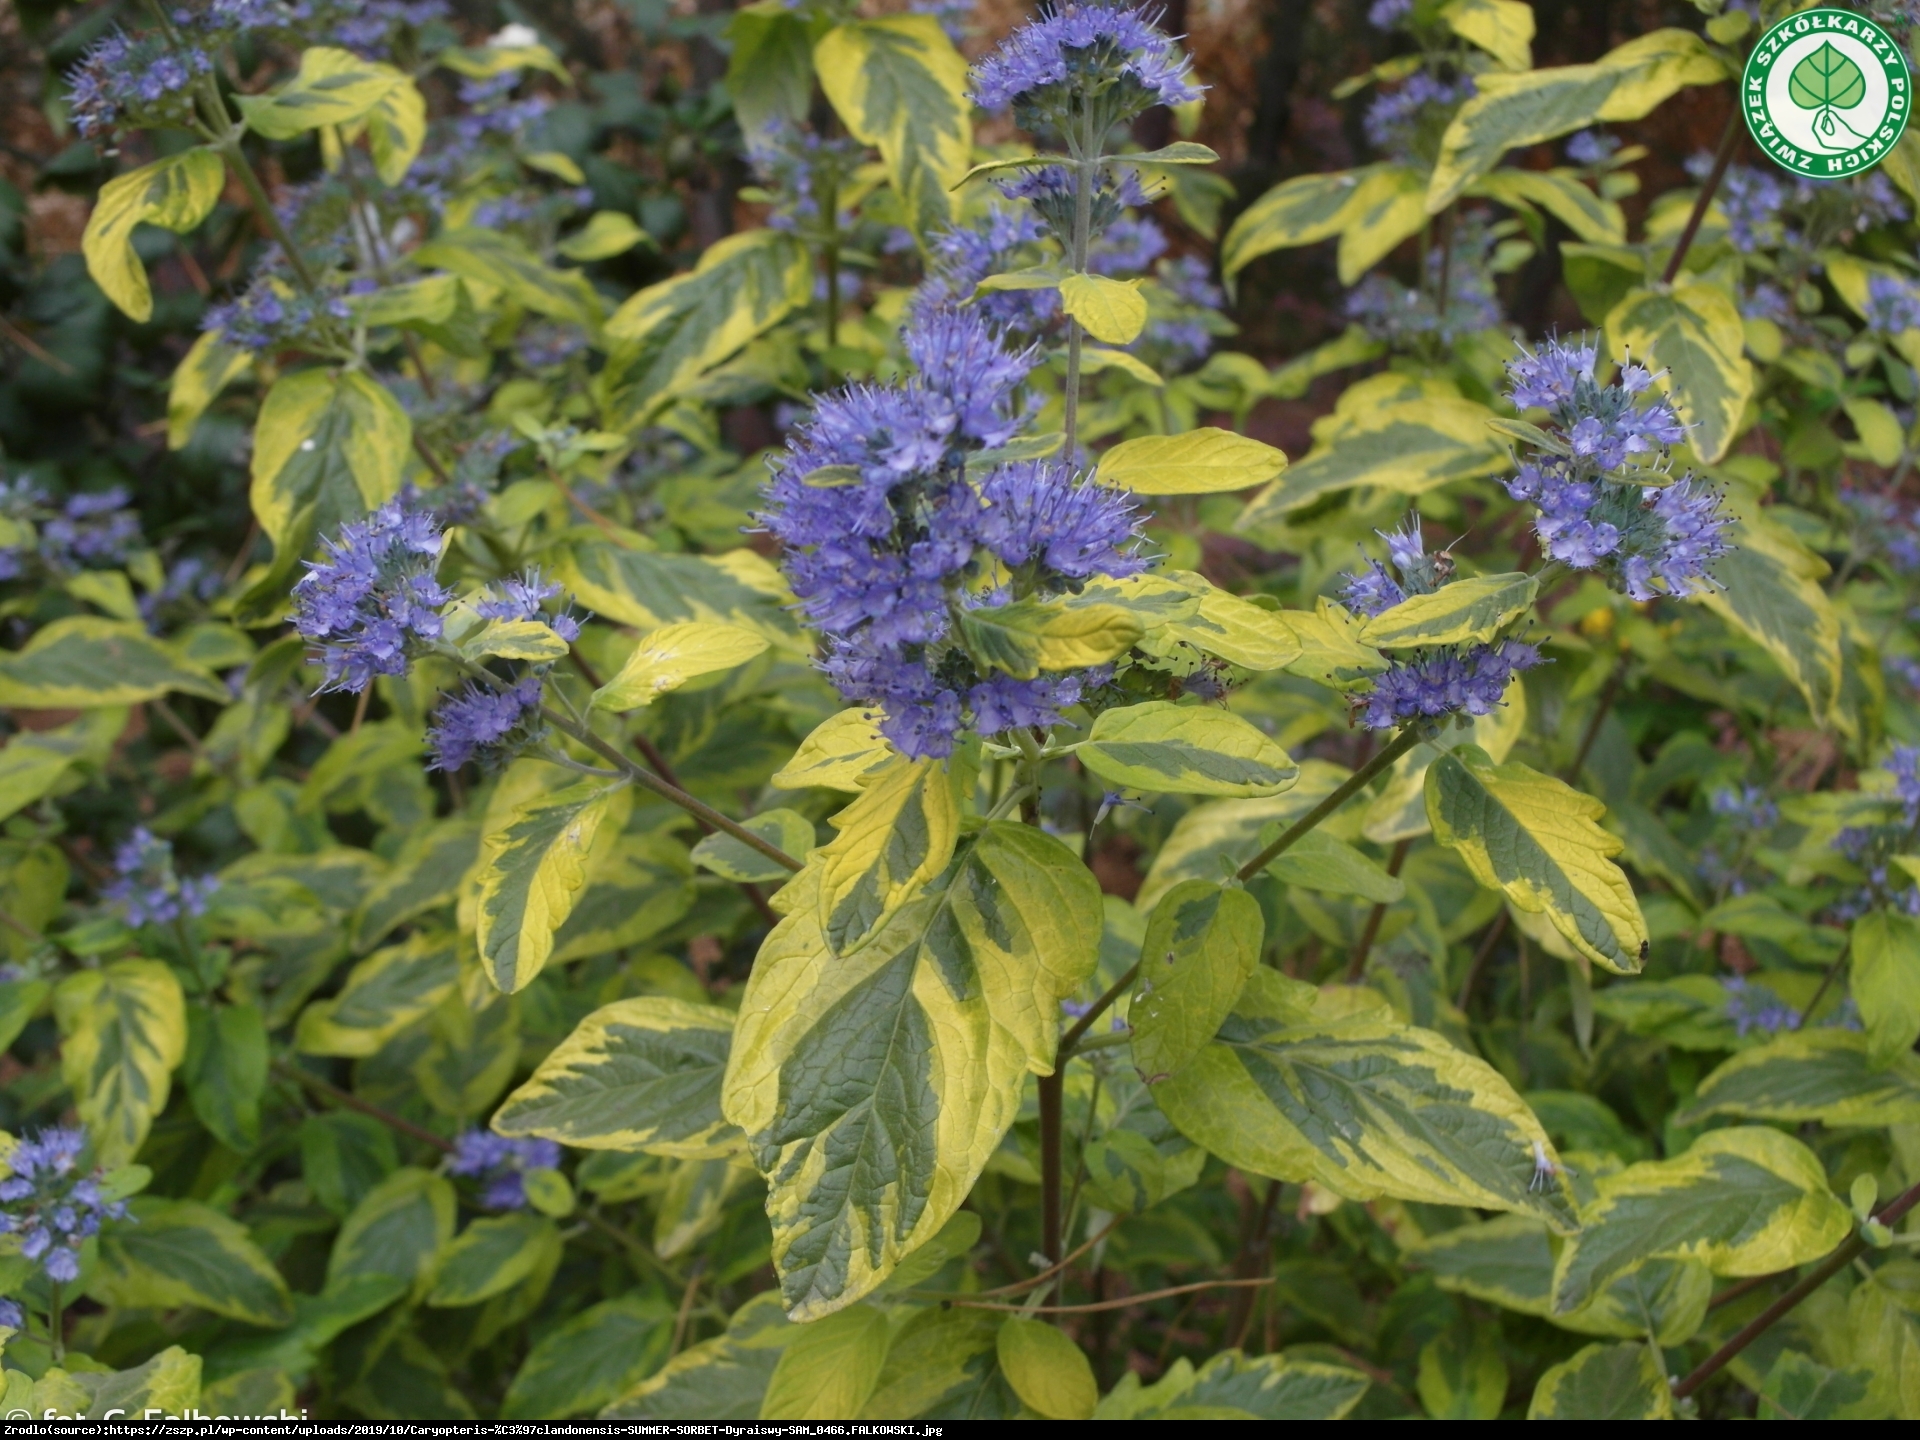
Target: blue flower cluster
(1765,210)
(1591,148)
(1049,189)
(94,527)
(1409,119)
(132,78)
(1893,305)
(1084,59)
(887,538)
(145,886)
(372,598)
(798,165)
(1754,1007)
(1433,681)
(48,1206)
(1412,319)
(1386,14)
(992,244)
(485,724)
(1749,808)
(1654,539)
(1872,847)
(268,315)
(500,1164)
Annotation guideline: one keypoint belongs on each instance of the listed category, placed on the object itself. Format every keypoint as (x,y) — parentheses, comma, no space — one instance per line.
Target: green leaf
(1172,749)
(894,839)
(648,591)
(733,859)
(719,1379)
(491,1256)
(124,1028)
(938,1358)
(874,1084)
(606,234)
(1744,1201)
(209,366)
(1362,1106)
(591,1358)
(1502,28)
(1694,334)
(899,85)
(1562,195)
(1885,980)
(694,1202)
(532,867)
(1202,942)
(226,1072)
(830,1368)
(85,662)
(1046,1369)
(639,1074)
(1604,1382)
(1330,650)
(1537,840)
(1811,1075)
(1211,841)
(1028,636)
(176,193)
(1111,310)
(383,995)
(1826,80)
(398,1231)
(669,657)
(1797,1388)
(1232,1386)
(1204,461)
(838,754)
(328,447)
(343,1155)
(1304,211)
(168,1384)
(424,874)
(1461,612)
(1772,595)
(1461,1375)
(36,764)
(770,66)
(180,1252)
(1513,111)
(332,87)
(501,259)
(637,886)
(396,130)
(1318,861)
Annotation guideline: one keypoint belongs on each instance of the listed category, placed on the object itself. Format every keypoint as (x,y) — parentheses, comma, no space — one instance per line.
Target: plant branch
(1357,966)
(1354,783)
(1070,1040)
(1602,707)
(1849,1250)
(337,1096)
(1722,158)
(1123,1303)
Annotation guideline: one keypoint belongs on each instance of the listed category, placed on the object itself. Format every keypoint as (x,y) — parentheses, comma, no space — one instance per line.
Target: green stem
(1398,746)
(56,1323)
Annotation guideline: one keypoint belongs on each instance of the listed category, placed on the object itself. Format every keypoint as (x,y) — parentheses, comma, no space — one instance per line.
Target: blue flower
(500,1163)
(1385,14)
(50,1207)
(519,598)
(1591,147)
(1078,53)
(1749,807)
(372,600)
(1409,119)
(484,723)
(132,79)
(1893,305)
(1756,1007)
(146,887)
(1130,244)
(989,245)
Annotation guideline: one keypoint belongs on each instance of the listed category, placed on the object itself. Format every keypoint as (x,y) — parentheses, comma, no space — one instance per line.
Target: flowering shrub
(687,750)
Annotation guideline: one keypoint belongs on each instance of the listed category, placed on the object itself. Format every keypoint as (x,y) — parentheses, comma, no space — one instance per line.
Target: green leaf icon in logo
(1825,82)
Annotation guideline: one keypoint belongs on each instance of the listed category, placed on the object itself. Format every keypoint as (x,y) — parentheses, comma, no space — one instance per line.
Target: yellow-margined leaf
(491,1256)
(1604,1382)
(168,1384)
(649,591)
(1694,337)
(396,129)
(85,662)
(1172,749)
(873,1085)
(332,87)
(1811,1075)
(1461,1375)
(182,1253)
(1511,111)
(830,1368)
(1111,310)
(1235,630)
(640,1074)
(1502,28)
(1095,358)
(839,754)
(498,258)
(1300,211)
(1046,1369)
(1361,1105)
(671,656)
(1537,840)
(515,640)
(591,1358)
(695,1201)
(207,369)
(1202,942)
(895,838)
(672,333)
(606,234)
(1205,461)
(1745,1201)
(483,62)
(1331,652)
(177,193)
(327,448)
(1885,981)
(899,85)
(1773,596)
(936,1354)
(1459,612)
(1399,810)
(734,859)
(1032,635)
(770,64)
(532,868)
(424,877)
(384,993)
(124,1029)
(637,886)
(1233,1386)
(1562,195)
(1389,206)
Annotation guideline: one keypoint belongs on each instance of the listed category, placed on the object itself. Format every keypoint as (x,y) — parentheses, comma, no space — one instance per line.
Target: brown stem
(1121,1304)
(431,461)
(334,1093)
(1849,1250)
(1741,1287)
(420,364)
(1826,983)
(1608,694)
(1722,158)
(1032,1282)
(605,526)
(1494,932)
(1094,1012)
(1357,966)
(1352,786)
(1051,1103)
(686,1307)
(34,348)
(178,726)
